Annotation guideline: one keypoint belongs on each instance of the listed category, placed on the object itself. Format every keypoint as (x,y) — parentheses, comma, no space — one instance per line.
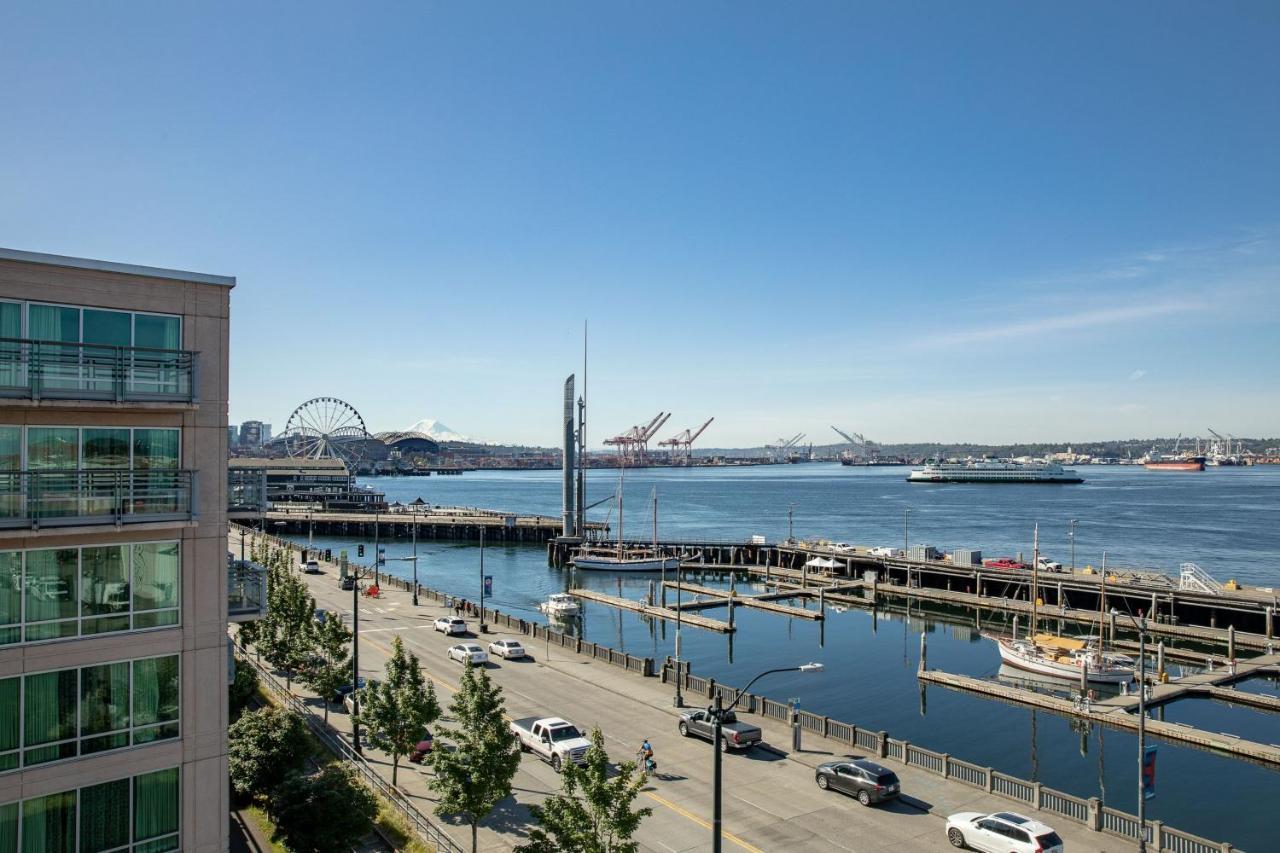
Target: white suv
(450,625)
(1002,832)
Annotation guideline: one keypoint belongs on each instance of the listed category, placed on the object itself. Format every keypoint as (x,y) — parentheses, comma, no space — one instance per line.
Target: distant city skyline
(950,222)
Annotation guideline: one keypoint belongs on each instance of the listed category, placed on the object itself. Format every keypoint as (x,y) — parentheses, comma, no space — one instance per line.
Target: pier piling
(1231,642)
(924,651)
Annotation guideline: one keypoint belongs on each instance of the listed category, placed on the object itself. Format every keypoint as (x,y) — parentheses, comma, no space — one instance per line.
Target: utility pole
(791,533)
(355,661)
(482,628)
(415,557)
(906,539)
(1142,732)
(1073,545)
(377,554)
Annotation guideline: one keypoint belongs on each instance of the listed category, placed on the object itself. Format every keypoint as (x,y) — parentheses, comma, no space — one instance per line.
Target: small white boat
(1063,657)
(559,605)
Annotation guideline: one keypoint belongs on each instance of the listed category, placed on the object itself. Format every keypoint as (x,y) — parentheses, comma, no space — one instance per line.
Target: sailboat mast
(1102,605)
(622,469)
(1035,579)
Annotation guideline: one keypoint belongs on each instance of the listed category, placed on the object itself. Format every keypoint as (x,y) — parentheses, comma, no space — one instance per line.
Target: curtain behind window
(11,373)
(10,713)
(9,827)
(104,816)
(49,824)
(10,598)
(49,715)
(155,804)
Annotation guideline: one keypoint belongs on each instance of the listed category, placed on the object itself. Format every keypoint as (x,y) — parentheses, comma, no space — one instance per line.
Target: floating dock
(691,619)
(450,523)
(759,601)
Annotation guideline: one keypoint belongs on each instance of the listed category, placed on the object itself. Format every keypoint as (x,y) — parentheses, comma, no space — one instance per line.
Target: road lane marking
(705,824)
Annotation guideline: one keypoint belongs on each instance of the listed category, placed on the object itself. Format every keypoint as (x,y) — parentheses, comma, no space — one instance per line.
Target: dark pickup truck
(733,734)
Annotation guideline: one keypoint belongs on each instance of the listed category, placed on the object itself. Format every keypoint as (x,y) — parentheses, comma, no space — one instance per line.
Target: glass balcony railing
(47,370)
(63,498)
(246,591)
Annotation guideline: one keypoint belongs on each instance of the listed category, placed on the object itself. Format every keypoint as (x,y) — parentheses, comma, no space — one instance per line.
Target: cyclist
(646,757)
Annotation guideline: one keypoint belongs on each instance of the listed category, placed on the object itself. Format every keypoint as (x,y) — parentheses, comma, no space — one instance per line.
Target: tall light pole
(1142,733)
(791,533)
(1073,545)
(355,659)
(906,540)
(717,718)
(415,557)
(310,534)
(482,628)
(377,555)
(242,533)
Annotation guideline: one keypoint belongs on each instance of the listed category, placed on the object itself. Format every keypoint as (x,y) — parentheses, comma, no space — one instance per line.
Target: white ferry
(993,471)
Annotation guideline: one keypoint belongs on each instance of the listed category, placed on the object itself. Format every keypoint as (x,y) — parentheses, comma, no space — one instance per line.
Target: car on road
(347,582)
(341,692)
(464,652)
(842,547)
(733,734)
(450,625)
(861,778)
(310,567)
(884,552)
(1002,832)
(507,649)
(552,739)
(1047,565)
(419,753)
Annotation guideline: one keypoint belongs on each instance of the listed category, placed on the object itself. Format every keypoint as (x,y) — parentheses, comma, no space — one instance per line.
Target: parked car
(341,692)
(733,734)
(1002,832)
(347,582)
(1005,563)
(1047,565)
(884,552)
(552,739)
(419,753)
(507,649)
(864,779)
(320,615)
(464,652)
(450,625)
(842,547)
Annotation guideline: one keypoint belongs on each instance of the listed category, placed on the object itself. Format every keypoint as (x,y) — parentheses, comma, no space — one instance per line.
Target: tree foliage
(332,643)
(396,711)
(242,689)
(263,748)
(287,633)
(331,810)
(593,813)
(475,774)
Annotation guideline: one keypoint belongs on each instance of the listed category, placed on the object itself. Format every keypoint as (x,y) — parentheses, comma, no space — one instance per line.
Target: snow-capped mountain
(436,430)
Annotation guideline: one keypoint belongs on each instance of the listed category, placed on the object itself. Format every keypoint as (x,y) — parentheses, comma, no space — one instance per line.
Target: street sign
(488,584)
(1149,772)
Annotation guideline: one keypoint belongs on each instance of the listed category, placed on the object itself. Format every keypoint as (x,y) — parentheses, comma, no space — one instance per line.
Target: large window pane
(104,589)
(12,372)
(51,589)
(104,816)
(54,323)
(11,485)
(109,330)
(10,714)
(10,448)
(53,447)
(49,715)
(104,704)
(160,332)
(106,448)
(10,597)
(55,366)
(49,824)
(156,568)
(155,804)
(9,827)
(107,327)
(155,697)
(155,448)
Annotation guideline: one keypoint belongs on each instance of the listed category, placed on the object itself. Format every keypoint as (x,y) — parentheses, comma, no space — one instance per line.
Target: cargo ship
(993,471)
(1173,462)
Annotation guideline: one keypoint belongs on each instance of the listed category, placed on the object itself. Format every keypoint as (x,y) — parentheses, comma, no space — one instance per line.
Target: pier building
(113,571)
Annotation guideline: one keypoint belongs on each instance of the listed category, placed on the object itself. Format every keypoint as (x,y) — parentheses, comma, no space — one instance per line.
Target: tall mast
(622,469)
(1035,578)
(581,508)
(1102,605)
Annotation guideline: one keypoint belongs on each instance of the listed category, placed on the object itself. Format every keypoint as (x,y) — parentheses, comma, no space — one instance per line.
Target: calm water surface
(1228,521)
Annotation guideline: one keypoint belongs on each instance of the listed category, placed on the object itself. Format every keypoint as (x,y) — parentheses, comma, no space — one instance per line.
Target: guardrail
(67,497)
(425,829)
(49,370)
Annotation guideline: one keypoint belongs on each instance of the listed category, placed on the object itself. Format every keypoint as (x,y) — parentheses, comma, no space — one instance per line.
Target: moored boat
(993,471)
(1063,657)
(560,605)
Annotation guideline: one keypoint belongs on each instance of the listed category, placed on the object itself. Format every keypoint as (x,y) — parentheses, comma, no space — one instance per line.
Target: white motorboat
(560,605)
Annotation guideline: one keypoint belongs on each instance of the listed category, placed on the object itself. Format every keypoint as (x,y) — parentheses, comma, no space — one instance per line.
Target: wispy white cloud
(1137,374)
(1079,320)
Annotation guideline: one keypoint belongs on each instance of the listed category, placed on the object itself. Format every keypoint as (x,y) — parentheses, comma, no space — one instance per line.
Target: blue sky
(920,221)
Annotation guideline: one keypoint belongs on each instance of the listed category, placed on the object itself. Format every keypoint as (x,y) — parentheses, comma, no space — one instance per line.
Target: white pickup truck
(551,739)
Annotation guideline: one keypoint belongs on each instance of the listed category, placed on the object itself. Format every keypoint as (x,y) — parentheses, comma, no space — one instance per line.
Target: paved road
(770,801)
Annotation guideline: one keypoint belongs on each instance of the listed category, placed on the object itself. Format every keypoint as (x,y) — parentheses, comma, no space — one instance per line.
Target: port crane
(869,448)
(633,445)
(778,451)
(681,443)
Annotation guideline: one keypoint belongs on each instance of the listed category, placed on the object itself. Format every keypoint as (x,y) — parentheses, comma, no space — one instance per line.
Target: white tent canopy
(820,563)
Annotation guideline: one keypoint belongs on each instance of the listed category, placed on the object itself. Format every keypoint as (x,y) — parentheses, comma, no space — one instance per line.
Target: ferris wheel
(325,427)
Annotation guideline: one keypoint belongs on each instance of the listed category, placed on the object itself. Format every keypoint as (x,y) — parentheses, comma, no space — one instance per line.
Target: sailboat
(623,559)
(1056,655)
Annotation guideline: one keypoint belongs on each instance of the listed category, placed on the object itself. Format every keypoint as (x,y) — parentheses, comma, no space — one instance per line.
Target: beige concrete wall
(201,637)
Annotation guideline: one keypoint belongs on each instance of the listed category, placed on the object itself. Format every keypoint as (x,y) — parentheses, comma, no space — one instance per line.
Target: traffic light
(328,555)
(360,550)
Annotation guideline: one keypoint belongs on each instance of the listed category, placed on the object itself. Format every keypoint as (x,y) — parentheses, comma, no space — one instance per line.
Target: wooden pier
(449,523)
(691,619)
(1167,691)
(1110,716)
(760,601)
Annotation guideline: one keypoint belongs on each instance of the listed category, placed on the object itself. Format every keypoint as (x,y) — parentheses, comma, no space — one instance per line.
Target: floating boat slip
(640,607)
(720,598)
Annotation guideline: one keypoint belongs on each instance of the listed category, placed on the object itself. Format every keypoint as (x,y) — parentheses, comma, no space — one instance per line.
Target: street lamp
(482,627)
(1142,732)
(906,539)
(791,533)
(717,717)
(1073,545)
(243,531)
(415,557)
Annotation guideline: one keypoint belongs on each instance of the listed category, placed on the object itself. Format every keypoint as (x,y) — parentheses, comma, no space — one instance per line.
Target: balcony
(67,498)
(45,370)
(246,591)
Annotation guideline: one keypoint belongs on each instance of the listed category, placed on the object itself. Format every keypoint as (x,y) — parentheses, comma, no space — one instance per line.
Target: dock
(433,522)
(691,619)
(1160,693)
(1109,716)
(759,601)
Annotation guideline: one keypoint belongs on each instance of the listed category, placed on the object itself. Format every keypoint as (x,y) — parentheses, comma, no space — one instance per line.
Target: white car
(507,649)
(884,552)
(842,547)
(1002,832)
(468,651)
(450,625)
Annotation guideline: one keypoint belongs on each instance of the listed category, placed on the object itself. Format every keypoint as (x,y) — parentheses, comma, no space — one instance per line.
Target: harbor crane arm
(694,437)
(846,436)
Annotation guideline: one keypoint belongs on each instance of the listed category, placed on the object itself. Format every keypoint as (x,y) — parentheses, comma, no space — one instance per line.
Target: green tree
(396,711)
(288,631)
(242,689)
(475,775)
(594,813)
(331,810)
(333,645)
(263,748)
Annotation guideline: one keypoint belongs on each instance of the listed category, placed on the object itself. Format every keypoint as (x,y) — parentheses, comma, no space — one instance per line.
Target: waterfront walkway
(770,800)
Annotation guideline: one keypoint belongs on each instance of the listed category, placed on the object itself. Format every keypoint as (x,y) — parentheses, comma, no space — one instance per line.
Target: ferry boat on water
(993,471)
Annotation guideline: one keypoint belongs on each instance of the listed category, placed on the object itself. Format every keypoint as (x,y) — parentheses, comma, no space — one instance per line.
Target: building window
(138,815)
(57,448)
(51,716)
(56,593)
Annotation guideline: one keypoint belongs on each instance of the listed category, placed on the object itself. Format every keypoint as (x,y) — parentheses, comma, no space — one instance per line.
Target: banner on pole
(488,584)
(1149,772)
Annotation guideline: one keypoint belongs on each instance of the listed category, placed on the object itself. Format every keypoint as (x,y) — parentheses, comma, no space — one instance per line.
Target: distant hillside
(1119,448)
